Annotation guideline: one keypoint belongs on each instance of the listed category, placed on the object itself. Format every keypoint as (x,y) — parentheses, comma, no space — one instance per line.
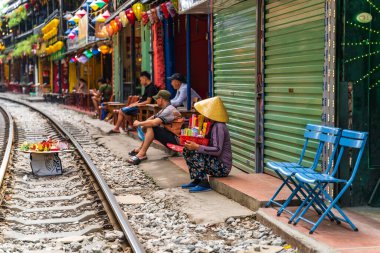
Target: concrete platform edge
(295,238)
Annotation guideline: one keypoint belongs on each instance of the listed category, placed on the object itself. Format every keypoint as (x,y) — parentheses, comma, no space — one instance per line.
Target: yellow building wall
(73,80)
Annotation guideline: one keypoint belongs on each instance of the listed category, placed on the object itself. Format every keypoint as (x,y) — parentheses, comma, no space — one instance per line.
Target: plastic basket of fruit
(198,140)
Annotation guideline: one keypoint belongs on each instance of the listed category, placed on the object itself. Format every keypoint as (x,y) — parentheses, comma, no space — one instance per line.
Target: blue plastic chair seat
(293,170)
(312,178)
(280,165)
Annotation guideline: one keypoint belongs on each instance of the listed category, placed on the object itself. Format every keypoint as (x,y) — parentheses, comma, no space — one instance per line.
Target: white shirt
(180,98)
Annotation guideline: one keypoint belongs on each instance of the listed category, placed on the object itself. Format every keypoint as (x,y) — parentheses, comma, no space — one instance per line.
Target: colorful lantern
(118,22)
(138,8)
(164,10)
(145,18)
(104,49)
(154,15)
(83,59)
(114,26)
(89,2)
(130,16)
(100,3)
(80,13)
(171,9)
(76,19)
(123,19)
(59,45)
(71,22)
(68,16)
(106,14)
(159,12)
(95,51)
(75,31)
(88,53)
(100,18)
(110,30)
(103,33)
(94,6)
(73,60)
(68,31)
(72,35)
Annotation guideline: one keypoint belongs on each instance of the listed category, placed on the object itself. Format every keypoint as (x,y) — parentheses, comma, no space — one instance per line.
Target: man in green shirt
(104,93)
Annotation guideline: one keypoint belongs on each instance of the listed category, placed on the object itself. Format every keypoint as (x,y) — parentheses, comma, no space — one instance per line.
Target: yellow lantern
(59,45)
(104,49)
(123,18)
(138,8)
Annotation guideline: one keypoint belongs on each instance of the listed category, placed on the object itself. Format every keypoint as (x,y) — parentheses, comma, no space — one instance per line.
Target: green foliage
(24,47)
(17,16)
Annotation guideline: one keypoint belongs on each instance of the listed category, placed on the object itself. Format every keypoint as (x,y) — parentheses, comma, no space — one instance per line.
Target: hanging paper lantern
(144,18)
(68,31)
(154,15)
(138,8)
(89,2)
(103,33)
(114,26)
(75,31)
(59,45)
(95,51)
(123,19)
(73,60)
(72,35)
(164,10)
(159,12)
(83,59)
(94,6)
(110,30)
(100,3)
(106,14)
(80,13)
(100,18)
(76,19)
(171,9)
(88,53)
(118,22)
(104,49)
(130,16)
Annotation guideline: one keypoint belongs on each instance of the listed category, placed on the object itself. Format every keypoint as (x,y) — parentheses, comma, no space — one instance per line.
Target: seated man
(157,127)
(132,109)
(179,83)
(81,87)
(104,94)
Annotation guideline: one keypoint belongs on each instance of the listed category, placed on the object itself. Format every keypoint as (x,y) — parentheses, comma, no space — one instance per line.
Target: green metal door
(234,76)
(294,60)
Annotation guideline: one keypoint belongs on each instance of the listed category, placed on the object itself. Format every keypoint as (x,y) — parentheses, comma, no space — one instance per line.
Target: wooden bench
(115,111)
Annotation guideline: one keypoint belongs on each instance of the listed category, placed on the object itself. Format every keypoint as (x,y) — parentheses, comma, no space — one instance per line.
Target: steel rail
(115,207)
(8,149)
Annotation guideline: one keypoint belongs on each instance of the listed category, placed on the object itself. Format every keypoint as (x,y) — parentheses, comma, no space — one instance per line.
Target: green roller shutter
(294,60)
(234,76)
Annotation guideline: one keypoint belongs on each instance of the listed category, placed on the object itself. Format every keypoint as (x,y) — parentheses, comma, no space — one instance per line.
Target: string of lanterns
(87,54)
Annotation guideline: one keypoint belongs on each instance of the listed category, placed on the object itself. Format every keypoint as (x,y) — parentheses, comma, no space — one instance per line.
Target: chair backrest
(351,140)
(323,134)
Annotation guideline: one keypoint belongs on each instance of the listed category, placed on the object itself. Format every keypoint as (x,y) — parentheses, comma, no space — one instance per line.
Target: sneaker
(189,185)
(199,188)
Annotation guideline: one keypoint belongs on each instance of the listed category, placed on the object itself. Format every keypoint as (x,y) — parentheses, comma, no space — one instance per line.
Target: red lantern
(114,26)
(145,18)
(165,10)
(110,30)
(118,22)
(130,16)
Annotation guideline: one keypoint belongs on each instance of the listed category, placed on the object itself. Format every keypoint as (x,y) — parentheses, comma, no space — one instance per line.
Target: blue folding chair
(316,184)
(286,170)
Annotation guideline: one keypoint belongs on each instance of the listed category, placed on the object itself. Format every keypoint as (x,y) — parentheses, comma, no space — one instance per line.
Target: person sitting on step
(178,82)
(103,94)
(214,159)
(164,127)
(132,109)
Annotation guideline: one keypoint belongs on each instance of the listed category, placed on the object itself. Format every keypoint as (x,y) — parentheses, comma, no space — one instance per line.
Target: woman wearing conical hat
(214,159)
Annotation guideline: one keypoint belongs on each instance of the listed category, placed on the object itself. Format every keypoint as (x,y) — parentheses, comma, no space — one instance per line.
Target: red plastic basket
(198,140)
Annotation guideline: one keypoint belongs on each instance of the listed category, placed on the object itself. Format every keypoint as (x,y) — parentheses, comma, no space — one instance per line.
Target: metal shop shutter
(234,76)
(294,60)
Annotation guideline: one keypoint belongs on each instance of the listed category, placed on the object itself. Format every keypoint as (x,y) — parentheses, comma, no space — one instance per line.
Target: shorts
(130,110)
(164,136)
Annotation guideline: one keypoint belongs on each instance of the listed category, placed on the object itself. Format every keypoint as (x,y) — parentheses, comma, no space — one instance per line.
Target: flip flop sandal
(112,132)
(133,152)
(135,160)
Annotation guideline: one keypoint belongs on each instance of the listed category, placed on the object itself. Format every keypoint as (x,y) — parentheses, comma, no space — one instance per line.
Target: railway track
(77,206)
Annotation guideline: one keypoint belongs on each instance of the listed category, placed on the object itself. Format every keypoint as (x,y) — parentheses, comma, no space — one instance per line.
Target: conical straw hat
(212,108)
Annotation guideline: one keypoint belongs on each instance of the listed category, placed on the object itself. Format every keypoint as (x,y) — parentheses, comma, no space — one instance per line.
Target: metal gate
(294,60)
(234,77)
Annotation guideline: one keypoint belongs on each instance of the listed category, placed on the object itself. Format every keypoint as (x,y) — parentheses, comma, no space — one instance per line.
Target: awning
(121,8)
(203,6)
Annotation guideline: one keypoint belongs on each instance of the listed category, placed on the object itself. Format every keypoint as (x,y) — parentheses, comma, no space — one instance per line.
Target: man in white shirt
(179,83)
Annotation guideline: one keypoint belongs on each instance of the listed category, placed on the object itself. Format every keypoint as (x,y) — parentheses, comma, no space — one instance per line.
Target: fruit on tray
(42,146)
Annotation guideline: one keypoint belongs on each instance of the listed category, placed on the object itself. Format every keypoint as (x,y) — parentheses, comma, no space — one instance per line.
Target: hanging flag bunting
(100,18)
(123,19)
(95,51)
(106,14)
(89,2)
(130,16)
(88,53)
(76,19)
(94,6)
(164,10)
(159,12)
(72,36)
(68,31)
(73,60)
(138,8)
(80,13)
